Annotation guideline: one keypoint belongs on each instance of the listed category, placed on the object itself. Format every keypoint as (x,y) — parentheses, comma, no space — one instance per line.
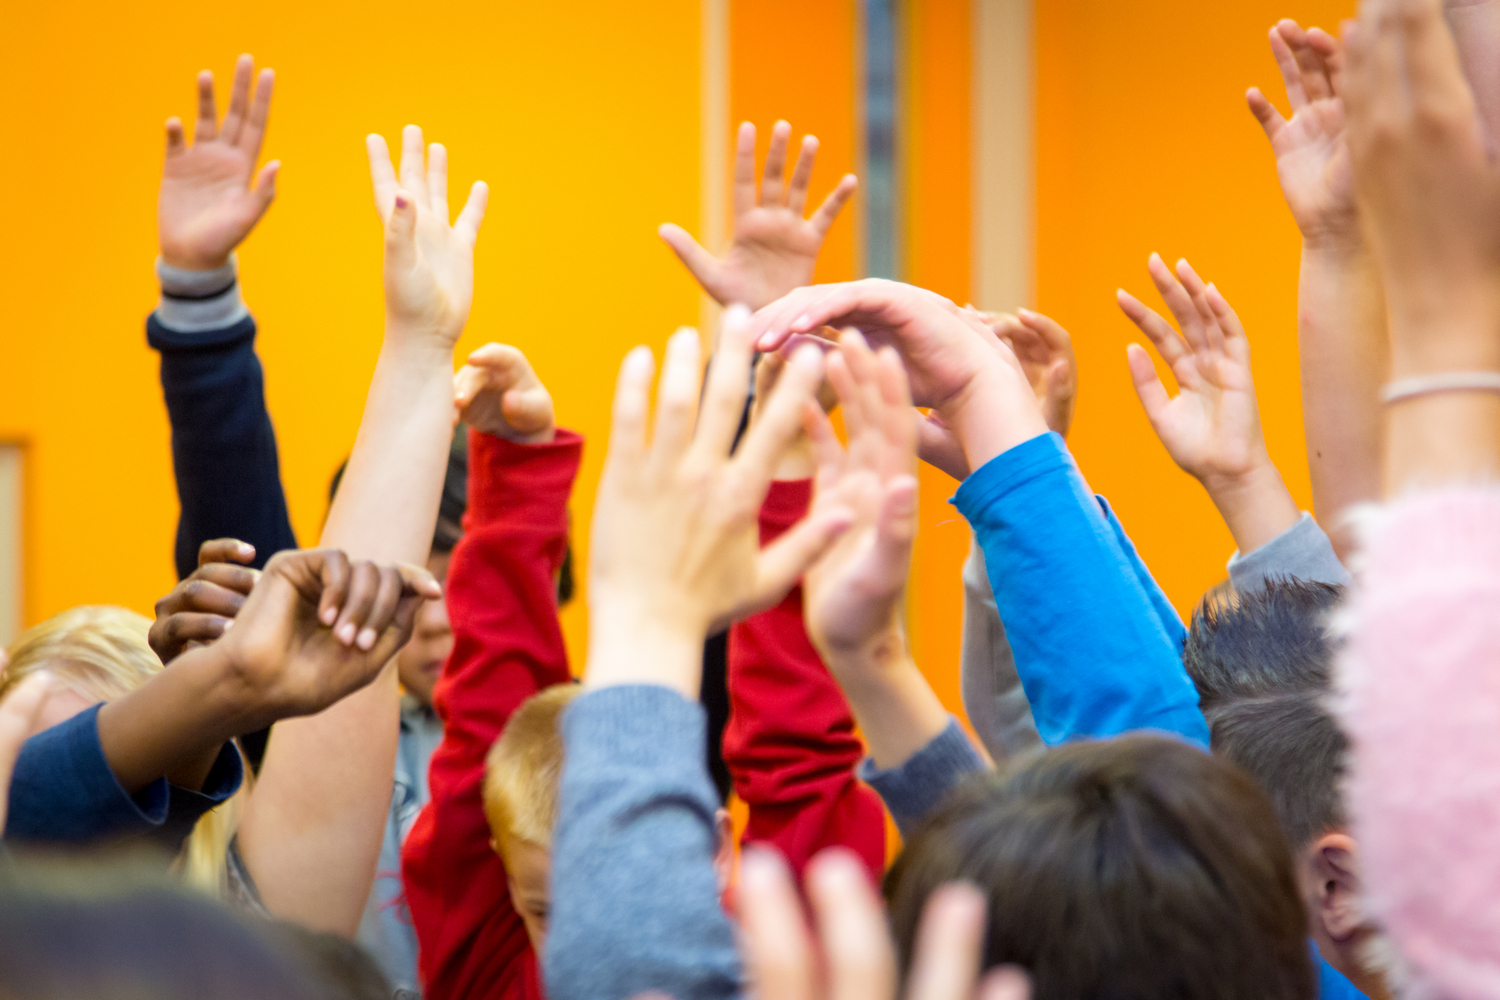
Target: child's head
(521,778)
(1262,666)
(1137,868)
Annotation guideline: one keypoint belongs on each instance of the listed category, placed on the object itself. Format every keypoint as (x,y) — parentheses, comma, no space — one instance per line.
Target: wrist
(636,645)
(1335,244)
(1255,504)
(994,413)
(880,655)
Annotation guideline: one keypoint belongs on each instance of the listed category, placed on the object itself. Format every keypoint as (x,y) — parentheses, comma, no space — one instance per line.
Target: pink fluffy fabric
(1419,681)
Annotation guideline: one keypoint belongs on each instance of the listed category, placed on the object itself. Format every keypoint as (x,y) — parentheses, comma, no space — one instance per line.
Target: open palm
(429,263)
(207,205)
(774,249)
(1211,428)
(1312,156)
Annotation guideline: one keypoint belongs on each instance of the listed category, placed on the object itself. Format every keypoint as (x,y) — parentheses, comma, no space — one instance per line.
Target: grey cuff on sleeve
(199,301)
(914,789)
(991,686)
(1303,552)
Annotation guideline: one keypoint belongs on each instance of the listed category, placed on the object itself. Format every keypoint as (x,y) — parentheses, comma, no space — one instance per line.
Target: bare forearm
(1437,440)
(1256,507)
(893,705)
(173,727)
(1345,359)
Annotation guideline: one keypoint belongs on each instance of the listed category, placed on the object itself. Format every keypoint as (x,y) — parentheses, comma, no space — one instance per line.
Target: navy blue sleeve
(223,444)
(1093,651)
(63,790)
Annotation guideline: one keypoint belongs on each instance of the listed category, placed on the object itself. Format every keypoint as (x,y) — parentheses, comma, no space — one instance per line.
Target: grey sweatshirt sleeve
(993,697)
(919,785)
(635,899)
(1302,551)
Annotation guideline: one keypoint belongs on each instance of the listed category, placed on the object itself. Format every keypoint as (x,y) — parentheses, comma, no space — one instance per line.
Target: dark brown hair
(1138,868)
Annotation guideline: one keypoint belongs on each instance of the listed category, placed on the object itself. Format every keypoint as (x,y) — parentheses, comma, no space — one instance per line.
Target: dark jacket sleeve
(223,444)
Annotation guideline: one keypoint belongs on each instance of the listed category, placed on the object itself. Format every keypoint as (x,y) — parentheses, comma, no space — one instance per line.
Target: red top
(790,744)
(502,600)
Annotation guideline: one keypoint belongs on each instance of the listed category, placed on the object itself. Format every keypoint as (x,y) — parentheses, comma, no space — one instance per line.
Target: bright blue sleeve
(1092,650)
(1165,613)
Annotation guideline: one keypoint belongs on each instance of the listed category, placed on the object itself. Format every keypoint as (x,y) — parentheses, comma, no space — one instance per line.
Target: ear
(724,852)
(1330,866)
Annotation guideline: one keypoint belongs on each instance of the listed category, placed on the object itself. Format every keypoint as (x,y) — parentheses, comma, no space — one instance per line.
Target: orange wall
(935,149)
(583,117)
(1144,143)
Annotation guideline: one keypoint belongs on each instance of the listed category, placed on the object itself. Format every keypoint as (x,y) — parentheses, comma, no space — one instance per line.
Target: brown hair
(522,771)
(1139,868)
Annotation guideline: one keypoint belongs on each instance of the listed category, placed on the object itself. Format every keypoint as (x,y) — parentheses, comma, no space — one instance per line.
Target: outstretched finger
(364,585)
(1165,339)
(781,564)
(1309,62)
(1291,74)
(207,125)
(700,263)
(727,386)
(472,215)
(413,170)
(239,100)
(899,431)
(851,924)
(1197,290)
(779,422)
(828,212)
(828,454)
(437,181)
(744,169)
(1148,385)
(677,398)
(1432,65)
(382,610)
(773,934)
(774,173)
(1226,318)
(796,194)
(382,174)
(1179,303)
(176,142)
(1265,112)
(949,948)
(253,134)
(627,425)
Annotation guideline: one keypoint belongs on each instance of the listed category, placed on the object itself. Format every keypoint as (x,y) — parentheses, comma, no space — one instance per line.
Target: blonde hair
(103,653)
(522,771)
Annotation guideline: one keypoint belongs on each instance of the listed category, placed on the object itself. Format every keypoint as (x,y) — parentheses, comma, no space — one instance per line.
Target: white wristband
(1427,385)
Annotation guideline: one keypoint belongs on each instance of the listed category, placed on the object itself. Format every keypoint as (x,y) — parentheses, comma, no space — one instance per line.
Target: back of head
(1262,667)
(101,652)
(1138,868)
(524,768)
(110,933)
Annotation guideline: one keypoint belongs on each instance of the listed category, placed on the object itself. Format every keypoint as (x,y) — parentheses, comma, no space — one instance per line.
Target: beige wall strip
(1004,154)
(714,228)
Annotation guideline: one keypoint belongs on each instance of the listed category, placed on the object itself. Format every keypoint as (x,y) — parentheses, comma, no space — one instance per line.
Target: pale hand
(1312,154)
(207,206)
(1212,427)
(429,263)
(1045,352)
(774,248)
(498,393)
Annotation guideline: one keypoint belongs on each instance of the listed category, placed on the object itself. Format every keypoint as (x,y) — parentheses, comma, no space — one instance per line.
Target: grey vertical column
(881,180)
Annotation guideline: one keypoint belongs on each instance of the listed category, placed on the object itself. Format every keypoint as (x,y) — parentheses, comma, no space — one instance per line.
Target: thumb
(1148,387)
(700,263)
(401,233)
(265,184)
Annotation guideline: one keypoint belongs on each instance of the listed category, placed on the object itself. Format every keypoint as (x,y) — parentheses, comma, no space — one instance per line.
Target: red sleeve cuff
(785,505)
(520,482)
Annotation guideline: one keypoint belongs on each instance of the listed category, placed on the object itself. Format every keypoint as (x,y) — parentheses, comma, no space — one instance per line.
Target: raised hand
(429,263)
(1046,354)
(1212,427)
(201,607)
(498,393)
(675,549)
(774,247)
(956,365)
(851,955)
(852,595)
(207,205)
(316,628)
(1312,154)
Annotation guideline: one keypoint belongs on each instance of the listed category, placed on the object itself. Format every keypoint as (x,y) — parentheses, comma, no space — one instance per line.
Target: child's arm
(790,744)
(223,444)
(312,831)
(1340,309)
(1476,28)
(507,646)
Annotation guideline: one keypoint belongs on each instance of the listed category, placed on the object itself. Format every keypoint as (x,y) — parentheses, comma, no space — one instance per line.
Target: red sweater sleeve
(790,743)
(507,646)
